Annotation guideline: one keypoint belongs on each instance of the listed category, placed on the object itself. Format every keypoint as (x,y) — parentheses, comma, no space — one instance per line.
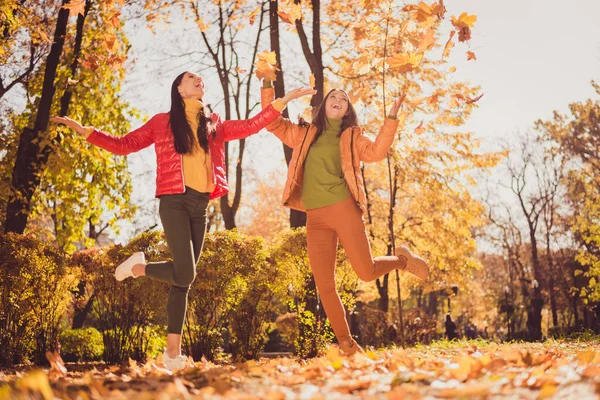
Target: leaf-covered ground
(558,370)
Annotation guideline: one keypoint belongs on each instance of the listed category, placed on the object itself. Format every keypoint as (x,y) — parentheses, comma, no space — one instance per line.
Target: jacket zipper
(352,164)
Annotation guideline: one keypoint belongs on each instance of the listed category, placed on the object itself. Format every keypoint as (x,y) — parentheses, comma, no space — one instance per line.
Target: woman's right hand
(76,126)
(296,93)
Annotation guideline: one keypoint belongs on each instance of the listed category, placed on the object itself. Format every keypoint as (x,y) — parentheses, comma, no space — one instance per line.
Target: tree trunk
(383,304)
(31,159)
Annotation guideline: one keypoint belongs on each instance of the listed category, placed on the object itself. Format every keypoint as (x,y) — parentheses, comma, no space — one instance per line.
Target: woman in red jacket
(190,157)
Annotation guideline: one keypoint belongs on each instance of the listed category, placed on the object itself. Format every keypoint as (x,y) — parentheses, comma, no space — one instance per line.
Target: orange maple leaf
(285,17)
(252,16)
(470,100)
(268,56)
(110,43)
(405,62)
(449,45)
(427,41)
(471,56)
(240,70)
(463,25)
(75,7)
(419,130)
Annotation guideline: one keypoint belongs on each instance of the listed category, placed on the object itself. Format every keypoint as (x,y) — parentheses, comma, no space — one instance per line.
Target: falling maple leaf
(285,17)
(427,41)
(240,70)
(405,62)
(452,69)
(471,56)
(296,12)
(57,365)
(311,79)
(469,100)
(449,45)
(252,16)
(463,25)
(202,25)
(268,56)
(76,7)
(419,130)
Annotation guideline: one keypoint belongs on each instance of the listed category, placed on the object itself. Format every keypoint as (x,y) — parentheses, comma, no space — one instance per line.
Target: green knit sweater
(323,183)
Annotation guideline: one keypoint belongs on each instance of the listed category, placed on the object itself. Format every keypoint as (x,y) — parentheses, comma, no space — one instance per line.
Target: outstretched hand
(296,93)
(397,104)
(76,126)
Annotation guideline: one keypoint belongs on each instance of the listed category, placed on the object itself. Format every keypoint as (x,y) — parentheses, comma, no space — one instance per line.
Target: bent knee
(365,276)
(184,280)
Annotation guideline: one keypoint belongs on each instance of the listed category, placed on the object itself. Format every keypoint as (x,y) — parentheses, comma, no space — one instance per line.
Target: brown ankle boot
(349,348)
(414,264)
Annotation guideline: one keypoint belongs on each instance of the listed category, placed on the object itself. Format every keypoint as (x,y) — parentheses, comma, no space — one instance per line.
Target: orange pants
(324,226)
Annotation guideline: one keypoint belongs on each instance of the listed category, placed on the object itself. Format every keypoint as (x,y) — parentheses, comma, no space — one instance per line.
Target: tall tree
(31,159)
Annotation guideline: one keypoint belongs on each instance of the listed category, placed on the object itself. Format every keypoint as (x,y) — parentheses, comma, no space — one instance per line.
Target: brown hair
(320,119)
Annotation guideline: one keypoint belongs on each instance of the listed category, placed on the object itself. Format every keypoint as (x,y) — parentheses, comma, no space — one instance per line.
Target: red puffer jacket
(169,171)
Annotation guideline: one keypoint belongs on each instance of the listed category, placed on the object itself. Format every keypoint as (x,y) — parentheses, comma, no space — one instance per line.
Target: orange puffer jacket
(354,148)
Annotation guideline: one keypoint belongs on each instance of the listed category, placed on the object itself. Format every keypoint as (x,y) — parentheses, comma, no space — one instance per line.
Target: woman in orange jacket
(190,158)
(324,179)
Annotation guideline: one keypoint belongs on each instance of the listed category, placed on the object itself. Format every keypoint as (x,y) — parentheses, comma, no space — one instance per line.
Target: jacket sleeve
(289,133)
(372,151)
(240,129)
(134,141)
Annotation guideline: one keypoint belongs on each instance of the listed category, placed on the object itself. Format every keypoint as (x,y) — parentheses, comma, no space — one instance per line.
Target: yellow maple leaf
(296,12)
(452,69)
(427,41)
(464,19)
(75,7)
(268,56)
(201,24)
(405,62)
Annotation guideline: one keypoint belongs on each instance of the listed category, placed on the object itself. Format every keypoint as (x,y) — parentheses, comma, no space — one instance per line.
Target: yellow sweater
(197,167)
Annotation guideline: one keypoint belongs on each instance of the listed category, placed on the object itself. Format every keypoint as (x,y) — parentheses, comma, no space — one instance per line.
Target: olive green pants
(183,217)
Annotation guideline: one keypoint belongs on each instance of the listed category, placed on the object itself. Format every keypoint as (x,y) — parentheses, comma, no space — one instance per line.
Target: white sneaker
(175,363)
(125,269)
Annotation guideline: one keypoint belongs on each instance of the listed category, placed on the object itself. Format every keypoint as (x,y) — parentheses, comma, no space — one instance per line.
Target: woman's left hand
(396,106)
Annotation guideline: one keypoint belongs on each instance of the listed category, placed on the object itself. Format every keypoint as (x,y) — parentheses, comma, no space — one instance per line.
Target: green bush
(36,281)
(233,295)
(81,345)
(124,311)
(310,332)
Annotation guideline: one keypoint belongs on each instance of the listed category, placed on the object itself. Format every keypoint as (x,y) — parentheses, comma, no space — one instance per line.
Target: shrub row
(50,299)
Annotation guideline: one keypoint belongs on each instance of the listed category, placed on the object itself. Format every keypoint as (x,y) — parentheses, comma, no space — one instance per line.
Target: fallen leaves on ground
(462,370)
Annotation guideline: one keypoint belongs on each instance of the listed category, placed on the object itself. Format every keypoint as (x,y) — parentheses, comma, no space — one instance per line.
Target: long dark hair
(320,119)
(182,132)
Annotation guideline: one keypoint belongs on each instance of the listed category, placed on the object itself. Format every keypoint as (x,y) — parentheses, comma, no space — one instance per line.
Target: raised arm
(289,133)
(372,151)
(240,129)
(122,145)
